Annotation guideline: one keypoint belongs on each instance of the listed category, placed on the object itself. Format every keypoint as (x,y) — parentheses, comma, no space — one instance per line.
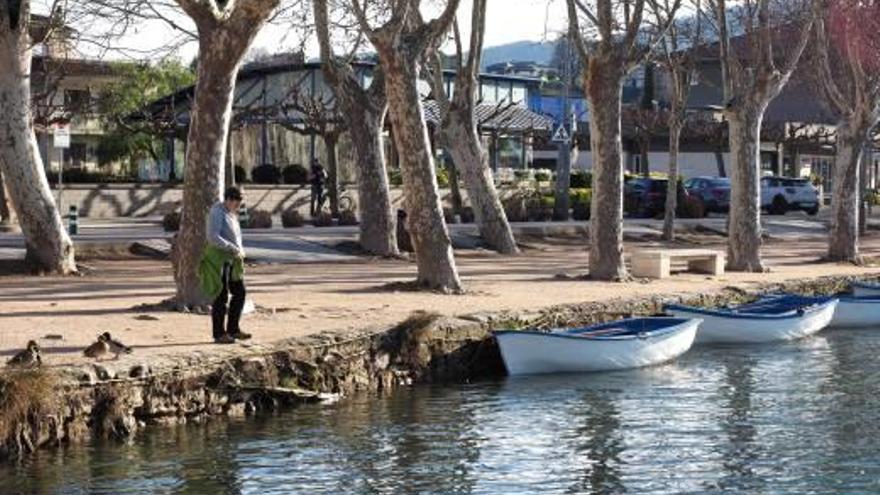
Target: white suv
(782,194)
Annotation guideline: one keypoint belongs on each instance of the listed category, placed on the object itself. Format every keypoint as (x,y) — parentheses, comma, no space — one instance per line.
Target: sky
(507,21)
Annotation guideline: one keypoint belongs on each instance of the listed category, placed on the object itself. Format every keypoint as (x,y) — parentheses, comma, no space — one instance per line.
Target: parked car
(646,197)
(713,192)
(782,194)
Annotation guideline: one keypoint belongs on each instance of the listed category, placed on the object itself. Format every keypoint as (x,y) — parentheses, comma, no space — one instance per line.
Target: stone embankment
(48,408)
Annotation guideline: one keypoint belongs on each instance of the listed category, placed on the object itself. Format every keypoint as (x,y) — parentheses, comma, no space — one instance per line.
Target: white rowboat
(631,343)
(866,289)
(857,312)
(775,318)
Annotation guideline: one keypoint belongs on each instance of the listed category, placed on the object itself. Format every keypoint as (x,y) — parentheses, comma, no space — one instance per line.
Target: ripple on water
(778,419)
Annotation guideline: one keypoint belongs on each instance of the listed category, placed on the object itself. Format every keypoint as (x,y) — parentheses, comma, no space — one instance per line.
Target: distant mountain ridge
(540,52)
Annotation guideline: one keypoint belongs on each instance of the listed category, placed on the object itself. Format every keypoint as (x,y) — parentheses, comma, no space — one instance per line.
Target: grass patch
(26,397)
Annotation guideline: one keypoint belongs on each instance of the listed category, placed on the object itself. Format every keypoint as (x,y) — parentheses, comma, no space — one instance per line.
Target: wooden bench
(656,263)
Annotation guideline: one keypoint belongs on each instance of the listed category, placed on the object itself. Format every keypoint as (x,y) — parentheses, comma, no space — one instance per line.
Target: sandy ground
(309,298)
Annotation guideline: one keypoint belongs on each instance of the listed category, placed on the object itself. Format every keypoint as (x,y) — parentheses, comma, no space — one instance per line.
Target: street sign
(560,135)
(62,137)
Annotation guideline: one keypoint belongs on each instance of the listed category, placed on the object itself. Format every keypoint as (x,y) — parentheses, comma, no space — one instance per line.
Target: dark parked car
(646,197)
(713,192)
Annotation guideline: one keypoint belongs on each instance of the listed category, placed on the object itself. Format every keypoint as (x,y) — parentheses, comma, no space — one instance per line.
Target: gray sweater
(223,230)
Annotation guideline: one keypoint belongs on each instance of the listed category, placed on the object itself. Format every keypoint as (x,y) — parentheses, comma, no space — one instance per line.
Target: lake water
(776,419)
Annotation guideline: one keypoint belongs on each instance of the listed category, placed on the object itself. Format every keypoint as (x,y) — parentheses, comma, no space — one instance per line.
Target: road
(311,244)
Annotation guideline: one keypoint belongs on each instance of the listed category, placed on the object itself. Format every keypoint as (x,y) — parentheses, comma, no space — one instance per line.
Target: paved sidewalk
(312,244)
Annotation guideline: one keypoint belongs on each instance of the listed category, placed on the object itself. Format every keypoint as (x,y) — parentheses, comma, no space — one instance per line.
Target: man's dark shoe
(224,339)
(239,335)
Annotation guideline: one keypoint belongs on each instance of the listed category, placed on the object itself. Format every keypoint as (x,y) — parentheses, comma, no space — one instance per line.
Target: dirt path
(337,297)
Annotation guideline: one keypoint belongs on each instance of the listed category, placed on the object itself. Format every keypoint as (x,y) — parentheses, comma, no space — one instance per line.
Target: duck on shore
(99,349)
(116,346)
(28,358)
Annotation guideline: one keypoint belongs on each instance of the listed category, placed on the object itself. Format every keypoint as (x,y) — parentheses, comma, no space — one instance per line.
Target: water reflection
(598,443)
(740,452)
(785,419)
(852,396)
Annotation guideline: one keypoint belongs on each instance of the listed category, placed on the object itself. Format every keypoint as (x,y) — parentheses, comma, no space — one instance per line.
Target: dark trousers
(317,200)
(218,309)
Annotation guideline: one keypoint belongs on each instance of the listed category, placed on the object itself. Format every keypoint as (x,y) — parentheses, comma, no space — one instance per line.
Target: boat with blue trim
(770,319)
(866,289)
(622,344)
(857,312)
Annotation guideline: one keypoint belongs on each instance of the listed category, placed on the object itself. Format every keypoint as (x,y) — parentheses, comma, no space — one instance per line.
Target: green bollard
(73,221)
(244,217)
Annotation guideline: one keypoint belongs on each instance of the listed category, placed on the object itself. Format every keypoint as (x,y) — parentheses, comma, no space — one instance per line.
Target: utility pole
(561,205)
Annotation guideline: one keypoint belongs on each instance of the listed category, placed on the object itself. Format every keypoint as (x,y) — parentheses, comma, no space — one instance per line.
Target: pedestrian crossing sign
(560,135)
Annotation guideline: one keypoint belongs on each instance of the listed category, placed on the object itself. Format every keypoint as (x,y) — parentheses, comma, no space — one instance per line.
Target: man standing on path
(221,270)
(317,177)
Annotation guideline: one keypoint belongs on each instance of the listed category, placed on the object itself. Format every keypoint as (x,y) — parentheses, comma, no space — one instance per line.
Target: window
(76,155)
(503,94)
(518,94)
(77,99)
(488,92)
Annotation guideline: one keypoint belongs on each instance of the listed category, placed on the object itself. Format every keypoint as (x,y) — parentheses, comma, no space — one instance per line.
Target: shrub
(522,174)
(539,213)
(266,174)
(295,174)
(580,179)
(171,221)
(690,207)
(580,203)
(515,209)
(581,196)
(443,177)
(323,219)
(348,217)
(467,215)
(542,175)
(394,177)
(580,211)
(547,201)
(80,176)
(240,174)
(259,219)
(291,217)
(448,215)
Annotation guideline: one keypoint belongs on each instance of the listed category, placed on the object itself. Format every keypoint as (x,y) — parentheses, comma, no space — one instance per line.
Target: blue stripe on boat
(631,328)
(867,285)
(770,307)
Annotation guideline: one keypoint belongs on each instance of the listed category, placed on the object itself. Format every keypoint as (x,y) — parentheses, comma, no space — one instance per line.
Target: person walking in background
(317,177)
(221,269)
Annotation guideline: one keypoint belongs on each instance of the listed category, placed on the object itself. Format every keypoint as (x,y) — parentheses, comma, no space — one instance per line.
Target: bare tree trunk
(462,139)
(430,237)
(644,145)
(49,249)
(719,163)
(7,217)
(744,239)
(460,135)
(562,187)
(604,89)
(378,234)
(843,243)
(455,187)
(364,111)
(332,185)
(672,183)
(224,37)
